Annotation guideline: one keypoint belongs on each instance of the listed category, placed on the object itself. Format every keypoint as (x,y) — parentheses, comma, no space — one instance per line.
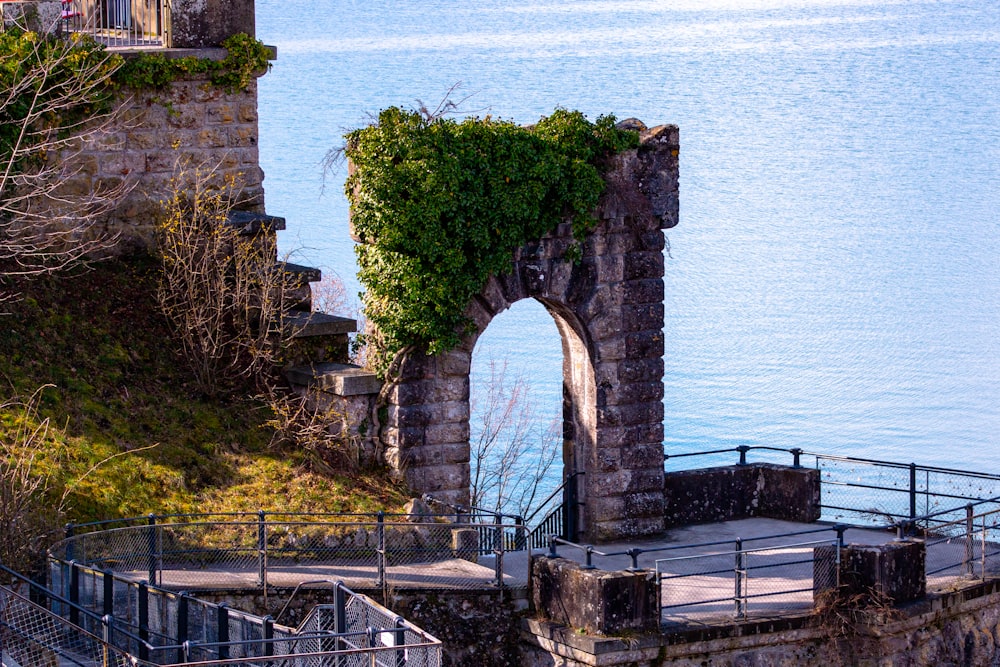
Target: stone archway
(608,308)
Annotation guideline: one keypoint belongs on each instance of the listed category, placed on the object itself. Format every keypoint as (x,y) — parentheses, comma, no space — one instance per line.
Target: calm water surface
(834,282)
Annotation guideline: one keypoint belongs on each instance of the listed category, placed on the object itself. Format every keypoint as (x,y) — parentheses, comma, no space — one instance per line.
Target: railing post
(498,549)
(840,545)
(552,547)
(70,546)
(107,634)
(340,616)
(913,490)
(589,564)
(262,549)
(743,449)
(223,631)
(143,621)
(796,457)
(520,534)
(739,583)
(267,636)
(969,549)
(74,593)
(182,625)
(381,549)
(151,548)
(399,641)
(108,577)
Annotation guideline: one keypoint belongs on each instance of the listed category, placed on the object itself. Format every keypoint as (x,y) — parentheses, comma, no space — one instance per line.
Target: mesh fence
(742,583)
(963,550)
(363,552)
(33,635)
(880,493)
(166,627)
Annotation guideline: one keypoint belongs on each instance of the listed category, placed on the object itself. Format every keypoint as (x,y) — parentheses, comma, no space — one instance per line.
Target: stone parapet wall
(188,125)
(728,493)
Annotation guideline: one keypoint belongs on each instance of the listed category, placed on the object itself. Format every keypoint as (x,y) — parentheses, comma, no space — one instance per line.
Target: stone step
(298,294)
(339,379)
(251,224)
(301,274)
(305,325)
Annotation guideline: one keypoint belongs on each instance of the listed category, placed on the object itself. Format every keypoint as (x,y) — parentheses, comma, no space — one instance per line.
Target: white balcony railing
(118,23)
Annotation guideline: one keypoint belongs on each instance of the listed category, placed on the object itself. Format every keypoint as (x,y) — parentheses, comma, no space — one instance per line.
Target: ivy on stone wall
(245,58)
(441,205)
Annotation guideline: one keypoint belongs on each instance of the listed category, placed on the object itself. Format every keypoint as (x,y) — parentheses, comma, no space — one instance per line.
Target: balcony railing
(118,23)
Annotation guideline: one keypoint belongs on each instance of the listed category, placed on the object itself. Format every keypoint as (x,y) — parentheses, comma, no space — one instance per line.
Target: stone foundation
(960,629)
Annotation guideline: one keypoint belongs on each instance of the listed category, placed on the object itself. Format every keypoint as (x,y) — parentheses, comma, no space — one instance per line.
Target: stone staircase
(318,363)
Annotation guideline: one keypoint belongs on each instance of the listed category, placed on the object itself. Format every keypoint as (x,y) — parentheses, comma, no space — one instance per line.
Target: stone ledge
(338,379)
(306,325)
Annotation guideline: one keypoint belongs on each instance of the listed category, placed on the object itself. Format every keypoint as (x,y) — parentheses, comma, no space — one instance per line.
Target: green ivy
(442,204)
(245,58)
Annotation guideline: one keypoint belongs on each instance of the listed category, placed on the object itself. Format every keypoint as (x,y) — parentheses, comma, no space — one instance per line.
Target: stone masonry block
(594,601)
(642,344)
(643,265)
(649,290)
(642,318)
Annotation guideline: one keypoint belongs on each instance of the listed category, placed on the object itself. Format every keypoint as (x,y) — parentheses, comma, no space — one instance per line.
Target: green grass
(122,395)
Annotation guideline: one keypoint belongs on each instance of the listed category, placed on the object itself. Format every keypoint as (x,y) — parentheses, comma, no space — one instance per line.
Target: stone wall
(188,125)
(475,627)
(727,493)
(608,308)
(958,628)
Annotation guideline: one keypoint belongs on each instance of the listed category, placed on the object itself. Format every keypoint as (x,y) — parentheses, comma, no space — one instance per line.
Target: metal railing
(559,513)
(963,549)
(876,493)
(106,620)
(731,579)
(248,550)
(119,23)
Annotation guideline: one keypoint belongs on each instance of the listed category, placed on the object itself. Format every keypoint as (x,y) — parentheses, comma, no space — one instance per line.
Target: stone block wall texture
(609,311)
(189,125)
(727,493)
(958,629)
(591,600)
(885,573)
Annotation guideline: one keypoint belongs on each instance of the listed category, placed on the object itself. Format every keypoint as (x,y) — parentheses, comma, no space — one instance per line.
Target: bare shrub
(54,103)
(222,292)
(27,514)
(314,426)
(510,455)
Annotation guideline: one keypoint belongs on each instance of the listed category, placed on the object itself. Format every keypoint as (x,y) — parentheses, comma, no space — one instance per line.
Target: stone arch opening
(608,308)
(516,414)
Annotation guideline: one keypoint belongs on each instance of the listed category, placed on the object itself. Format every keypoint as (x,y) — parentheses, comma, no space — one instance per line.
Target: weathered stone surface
(594,601)
(739,492)
(199,23)
(152,147)
(880,575)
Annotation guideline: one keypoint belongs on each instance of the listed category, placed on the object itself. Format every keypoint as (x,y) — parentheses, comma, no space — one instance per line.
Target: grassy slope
(120,387)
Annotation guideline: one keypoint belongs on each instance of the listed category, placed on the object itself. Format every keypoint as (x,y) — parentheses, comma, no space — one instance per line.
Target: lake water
(834,282)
